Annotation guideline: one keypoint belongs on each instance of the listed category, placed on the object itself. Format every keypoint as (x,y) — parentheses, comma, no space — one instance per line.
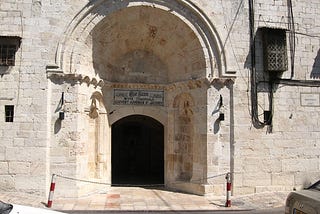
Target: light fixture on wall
(61,115)
(61,112)
(221,117)
(267,116)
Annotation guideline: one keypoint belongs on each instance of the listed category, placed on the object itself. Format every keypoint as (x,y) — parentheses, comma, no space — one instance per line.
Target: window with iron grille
(8,48)
(274,49)
(9,113)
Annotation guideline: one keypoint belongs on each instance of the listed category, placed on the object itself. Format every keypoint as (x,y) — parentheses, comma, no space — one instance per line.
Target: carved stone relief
(97,163)
(183,138)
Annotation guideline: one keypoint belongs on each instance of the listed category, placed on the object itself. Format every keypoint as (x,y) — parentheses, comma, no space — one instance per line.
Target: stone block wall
(38,144)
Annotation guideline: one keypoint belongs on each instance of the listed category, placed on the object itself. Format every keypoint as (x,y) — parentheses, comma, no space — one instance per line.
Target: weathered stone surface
(73,54)
(4,168)
(19,167)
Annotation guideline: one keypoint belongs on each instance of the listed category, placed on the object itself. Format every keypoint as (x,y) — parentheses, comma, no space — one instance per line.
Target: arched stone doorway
(166,46)
(137,151)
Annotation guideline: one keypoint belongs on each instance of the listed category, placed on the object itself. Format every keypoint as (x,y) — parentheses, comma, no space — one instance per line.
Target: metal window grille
(8,49)
(9,113)
(275,49)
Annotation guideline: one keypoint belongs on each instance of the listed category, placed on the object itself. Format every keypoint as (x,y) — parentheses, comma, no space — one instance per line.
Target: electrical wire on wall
(254,91)
(274,79)
(292,36)
(292,43)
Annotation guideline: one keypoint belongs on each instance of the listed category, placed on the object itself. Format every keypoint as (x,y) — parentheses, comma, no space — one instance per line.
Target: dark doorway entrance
(137,151)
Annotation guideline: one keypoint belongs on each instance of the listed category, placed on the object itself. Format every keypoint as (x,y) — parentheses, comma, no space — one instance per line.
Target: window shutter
(274,49)
(8,48)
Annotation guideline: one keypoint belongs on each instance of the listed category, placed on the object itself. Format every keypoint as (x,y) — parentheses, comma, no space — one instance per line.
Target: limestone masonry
(144,92)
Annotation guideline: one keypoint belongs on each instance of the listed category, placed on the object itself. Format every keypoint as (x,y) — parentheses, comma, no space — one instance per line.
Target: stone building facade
(176,92)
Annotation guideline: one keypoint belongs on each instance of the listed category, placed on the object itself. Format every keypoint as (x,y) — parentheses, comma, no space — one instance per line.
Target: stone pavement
(143,199)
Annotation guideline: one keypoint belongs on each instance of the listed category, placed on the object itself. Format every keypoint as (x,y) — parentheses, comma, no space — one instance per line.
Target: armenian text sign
(138,97)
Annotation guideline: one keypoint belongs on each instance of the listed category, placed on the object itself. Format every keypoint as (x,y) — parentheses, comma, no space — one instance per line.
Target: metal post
(52,186)
(228,200)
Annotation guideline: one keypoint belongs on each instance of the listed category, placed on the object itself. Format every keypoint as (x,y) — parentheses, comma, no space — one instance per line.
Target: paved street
(279,210)
(142,200)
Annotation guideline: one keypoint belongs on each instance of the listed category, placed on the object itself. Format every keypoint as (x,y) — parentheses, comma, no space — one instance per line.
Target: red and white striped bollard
(228,200)
(52,186)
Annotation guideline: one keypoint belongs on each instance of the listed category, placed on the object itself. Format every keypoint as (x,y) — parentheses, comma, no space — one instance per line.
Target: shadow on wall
(4,70)
(57,126)
(315,73)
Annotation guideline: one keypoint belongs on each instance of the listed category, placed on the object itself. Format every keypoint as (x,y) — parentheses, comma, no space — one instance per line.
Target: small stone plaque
(138,97)
(310,99)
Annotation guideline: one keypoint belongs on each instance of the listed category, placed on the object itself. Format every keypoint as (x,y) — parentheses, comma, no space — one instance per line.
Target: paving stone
(133,201)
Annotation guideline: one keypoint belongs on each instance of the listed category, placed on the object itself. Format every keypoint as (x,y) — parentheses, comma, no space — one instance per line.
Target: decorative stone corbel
(221,82)
(96,105)
(94,111)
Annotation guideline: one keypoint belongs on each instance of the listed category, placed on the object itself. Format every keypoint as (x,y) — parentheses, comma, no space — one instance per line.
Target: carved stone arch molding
(79,29)
(156,114)
(183,136)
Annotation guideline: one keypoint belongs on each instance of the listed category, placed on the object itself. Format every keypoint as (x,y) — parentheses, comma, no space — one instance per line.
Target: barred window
(9,113)
(274,49)
(8,49)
